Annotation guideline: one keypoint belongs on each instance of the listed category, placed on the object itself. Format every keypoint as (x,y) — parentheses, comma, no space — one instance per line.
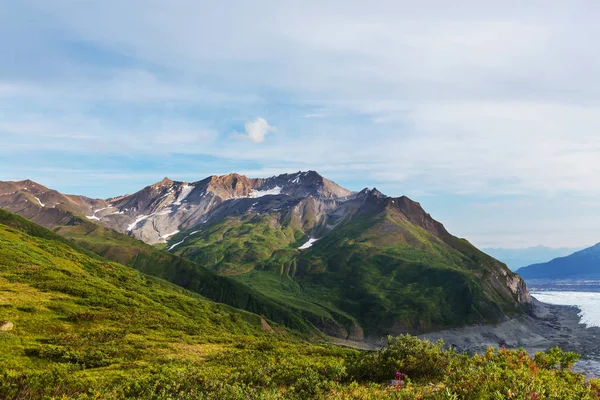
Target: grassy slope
(243,247)
(392,274)
(237,244)
(150,260)
(87,328)
(69,305)
(379,270)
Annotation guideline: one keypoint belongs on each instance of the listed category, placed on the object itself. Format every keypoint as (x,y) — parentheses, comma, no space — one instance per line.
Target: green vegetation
(239,244)
(87,328)
(374,274)
(192,276)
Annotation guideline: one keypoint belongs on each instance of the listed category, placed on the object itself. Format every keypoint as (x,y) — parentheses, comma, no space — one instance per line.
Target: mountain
(45,206)
(355,265)
(69,216)
(74,325)
(160,211)
(517,258)
(584,264)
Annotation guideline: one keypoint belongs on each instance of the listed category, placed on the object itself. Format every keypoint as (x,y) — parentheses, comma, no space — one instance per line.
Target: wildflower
(399,380)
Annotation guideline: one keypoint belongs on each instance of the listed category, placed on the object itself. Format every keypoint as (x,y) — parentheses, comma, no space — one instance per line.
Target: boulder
(6,326)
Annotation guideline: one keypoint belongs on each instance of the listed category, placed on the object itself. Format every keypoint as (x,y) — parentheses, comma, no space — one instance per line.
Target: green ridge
(192,276)
(376,270)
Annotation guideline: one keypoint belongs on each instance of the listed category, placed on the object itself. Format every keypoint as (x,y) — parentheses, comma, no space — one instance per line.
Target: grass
(377,270)
(88,328)
(185,273)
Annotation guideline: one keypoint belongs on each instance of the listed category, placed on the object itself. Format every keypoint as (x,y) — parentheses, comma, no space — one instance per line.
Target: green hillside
(241,247)
(153,261)
(73,308)
(376,273)
(76,326)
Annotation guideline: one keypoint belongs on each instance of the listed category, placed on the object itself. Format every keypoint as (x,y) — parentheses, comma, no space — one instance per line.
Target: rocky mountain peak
(371,193)
(413,211)
(378,194)
(309,183)
(165,182)
(231,185)
(28,184)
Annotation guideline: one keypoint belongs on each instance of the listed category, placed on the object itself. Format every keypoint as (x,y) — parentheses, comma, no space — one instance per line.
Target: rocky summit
(355,265)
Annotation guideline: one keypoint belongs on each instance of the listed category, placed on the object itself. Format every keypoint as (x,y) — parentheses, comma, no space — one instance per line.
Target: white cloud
(257,129)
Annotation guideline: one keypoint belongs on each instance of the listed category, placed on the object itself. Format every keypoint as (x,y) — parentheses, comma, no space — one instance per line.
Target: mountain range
(517,258)
(297,249)
(583,264)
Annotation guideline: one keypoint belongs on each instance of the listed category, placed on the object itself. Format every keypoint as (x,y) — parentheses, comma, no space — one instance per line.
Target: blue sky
(487,113)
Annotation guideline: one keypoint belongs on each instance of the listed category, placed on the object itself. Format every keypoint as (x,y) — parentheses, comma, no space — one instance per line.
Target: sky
(487,113)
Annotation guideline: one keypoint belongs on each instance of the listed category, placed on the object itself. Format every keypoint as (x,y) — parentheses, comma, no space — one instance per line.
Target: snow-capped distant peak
(269,192)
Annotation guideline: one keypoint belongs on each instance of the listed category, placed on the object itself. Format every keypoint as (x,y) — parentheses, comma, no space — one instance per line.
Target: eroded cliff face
(519,288)
(508,280)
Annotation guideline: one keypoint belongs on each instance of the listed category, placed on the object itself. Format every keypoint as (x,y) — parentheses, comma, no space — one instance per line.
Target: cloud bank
(473,100)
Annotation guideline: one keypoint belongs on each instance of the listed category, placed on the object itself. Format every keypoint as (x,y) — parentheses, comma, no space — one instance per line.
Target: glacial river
(588,304)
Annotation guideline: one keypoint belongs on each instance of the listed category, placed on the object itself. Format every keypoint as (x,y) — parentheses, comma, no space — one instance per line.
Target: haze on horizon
(487,114)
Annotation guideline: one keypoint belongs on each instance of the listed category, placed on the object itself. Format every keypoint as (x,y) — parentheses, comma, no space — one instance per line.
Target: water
(588,303)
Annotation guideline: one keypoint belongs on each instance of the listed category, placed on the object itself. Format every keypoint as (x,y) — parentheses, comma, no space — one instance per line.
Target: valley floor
(549,326)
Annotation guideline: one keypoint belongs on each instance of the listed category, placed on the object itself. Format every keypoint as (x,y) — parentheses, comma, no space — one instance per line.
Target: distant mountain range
(584,264)
(296,248)
(517,258)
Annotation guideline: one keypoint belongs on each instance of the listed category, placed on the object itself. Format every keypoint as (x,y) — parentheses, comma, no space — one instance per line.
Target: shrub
(413,357)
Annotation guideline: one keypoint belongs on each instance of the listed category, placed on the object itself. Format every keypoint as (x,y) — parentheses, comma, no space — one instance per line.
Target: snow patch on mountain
(175,245)
(168,235)
(269,192)
(39,201)
(93,216)
(137,221)
(307,244)
(185,192)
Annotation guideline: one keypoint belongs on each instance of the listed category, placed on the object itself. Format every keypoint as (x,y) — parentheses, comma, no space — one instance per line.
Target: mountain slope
(380,265)
(354,265)
(45,206)
(189,275)
(73,325)
(69,306)
(584,264)
(158,212)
